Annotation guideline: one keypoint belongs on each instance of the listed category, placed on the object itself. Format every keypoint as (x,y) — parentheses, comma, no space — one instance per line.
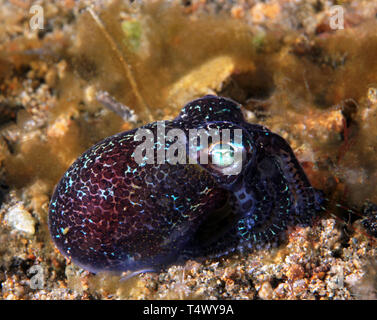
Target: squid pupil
(222,155)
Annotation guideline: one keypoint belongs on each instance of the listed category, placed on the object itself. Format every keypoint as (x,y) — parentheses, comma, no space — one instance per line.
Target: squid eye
(222,155)
(227,158)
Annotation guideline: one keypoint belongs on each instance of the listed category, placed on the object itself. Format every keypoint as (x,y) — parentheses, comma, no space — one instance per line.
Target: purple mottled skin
(108,213)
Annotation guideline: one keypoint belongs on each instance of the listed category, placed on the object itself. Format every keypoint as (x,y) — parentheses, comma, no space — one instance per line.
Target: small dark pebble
(370,221)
